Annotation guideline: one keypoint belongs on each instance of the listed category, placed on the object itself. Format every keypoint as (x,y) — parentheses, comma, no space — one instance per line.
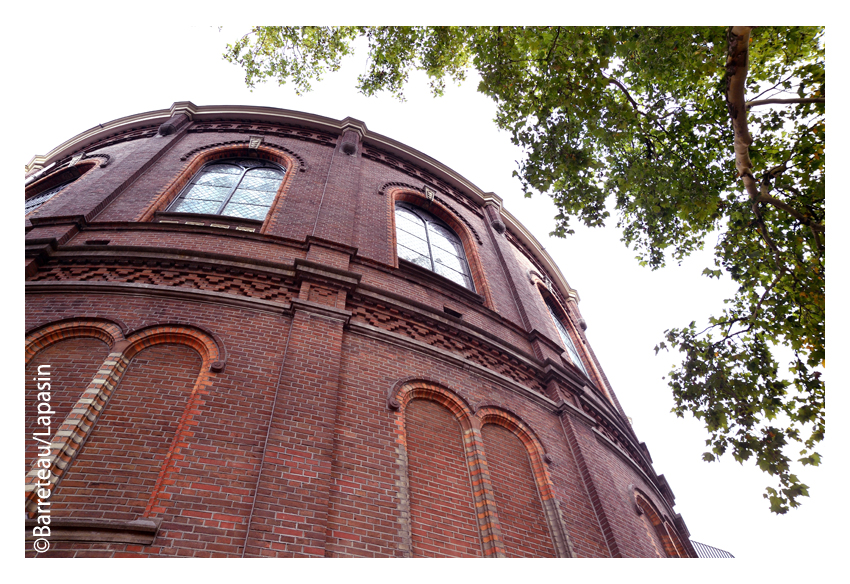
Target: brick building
(270,333)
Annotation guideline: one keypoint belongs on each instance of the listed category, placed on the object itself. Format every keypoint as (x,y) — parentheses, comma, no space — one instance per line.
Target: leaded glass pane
(245,211)
(251,163)
(250,197)
(410,223)
(411,256)
(452,275)
(37,201)
(207,193)
(246,188)
(417,244)
(222,169)
(422,237)
(260,183)
(447,259)
(444,239)
(197,206)
(267,173)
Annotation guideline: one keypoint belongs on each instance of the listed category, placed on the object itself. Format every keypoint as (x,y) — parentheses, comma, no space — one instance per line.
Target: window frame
(566,338)
(59,179)
(427,217)
(49,193)
(238,162)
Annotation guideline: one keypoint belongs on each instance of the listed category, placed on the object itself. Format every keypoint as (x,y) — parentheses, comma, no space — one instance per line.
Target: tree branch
(554,44)
(737,63)
(750,104)
(613,81)
(765,198)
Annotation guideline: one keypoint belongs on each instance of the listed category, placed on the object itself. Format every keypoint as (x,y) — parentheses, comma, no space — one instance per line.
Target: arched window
(38,200)
(39,191)
(565,337)
(236,188)
(428,242)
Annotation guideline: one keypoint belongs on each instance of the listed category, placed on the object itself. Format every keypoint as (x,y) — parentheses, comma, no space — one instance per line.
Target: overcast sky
(80,77)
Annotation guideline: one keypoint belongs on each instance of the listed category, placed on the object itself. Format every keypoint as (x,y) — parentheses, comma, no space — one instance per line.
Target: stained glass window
(428,242)
(235,188)
(565,338)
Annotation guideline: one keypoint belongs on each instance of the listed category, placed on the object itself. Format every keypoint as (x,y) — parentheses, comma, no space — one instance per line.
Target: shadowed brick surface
(73,363)
(520,512)
(131,438)
(441,513)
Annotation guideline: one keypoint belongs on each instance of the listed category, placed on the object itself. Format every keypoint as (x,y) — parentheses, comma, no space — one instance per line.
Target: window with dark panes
(235,188)
(565,337)
(428,242)
(38,200)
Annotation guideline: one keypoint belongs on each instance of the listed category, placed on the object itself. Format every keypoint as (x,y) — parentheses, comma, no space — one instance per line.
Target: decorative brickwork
(412,325)
(172,273)
(415,171)
(248,127)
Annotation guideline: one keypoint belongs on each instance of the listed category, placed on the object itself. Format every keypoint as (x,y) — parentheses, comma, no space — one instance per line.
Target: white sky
(76,77)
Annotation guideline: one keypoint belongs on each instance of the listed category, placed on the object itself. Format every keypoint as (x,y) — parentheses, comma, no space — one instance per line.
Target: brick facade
(289,387)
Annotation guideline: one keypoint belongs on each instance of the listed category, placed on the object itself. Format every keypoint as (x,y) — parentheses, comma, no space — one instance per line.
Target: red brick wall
(131,438)
(73,363)
(520,512)
(442,516)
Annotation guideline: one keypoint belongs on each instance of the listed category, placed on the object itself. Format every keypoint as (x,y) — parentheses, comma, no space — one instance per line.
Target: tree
(656,120)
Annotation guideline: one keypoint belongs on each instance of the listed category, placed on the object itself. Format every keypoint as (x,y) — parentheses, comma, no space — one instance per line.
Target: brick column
(290,515)
(578,432)
(336,216)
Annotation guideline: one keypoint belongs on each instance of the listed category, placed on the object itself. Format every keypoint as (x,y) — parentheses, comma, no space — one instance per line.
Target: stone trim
(138,531)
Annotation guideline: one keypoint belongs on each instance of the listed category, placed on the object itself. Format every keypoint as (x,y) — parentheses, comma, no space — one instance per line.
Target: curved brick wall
(289,386)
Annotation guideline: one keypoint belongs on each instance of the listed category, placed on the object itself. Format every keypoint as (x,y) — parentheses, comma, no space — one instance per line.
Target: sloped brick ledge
(138,531)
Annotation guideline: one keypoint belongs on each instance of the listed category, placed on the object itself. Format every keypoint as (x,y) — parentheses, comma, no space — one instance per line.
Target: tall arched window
(428,242)
(565,337)
(236,188)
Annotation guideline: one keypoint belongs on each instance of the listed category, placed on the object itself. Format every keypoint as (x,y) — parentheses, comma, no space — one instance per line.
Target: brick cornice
(322,310)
